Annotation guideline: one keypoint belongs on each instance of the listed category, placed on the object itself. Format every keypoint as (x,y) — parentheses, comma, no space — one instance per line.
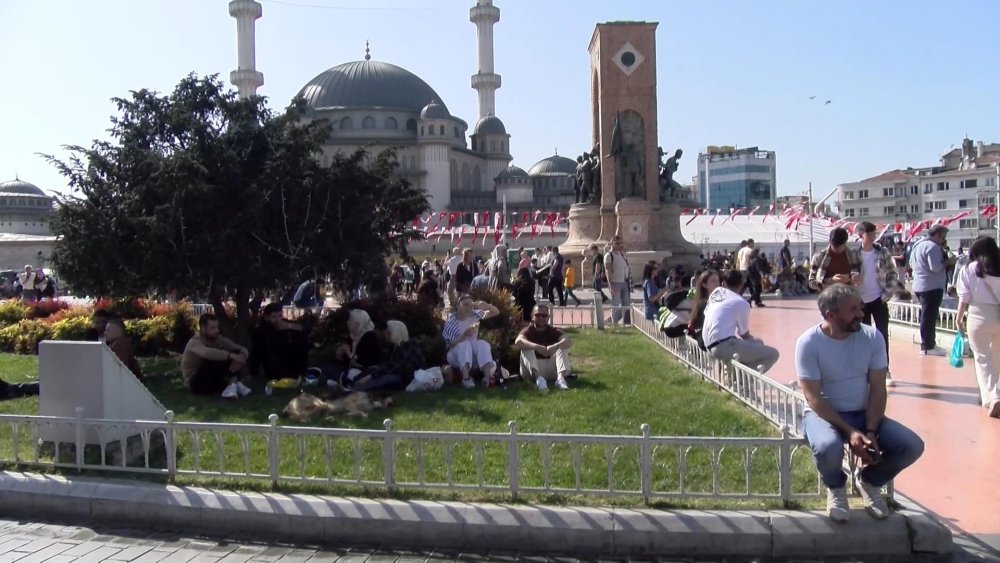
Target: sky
(907,80)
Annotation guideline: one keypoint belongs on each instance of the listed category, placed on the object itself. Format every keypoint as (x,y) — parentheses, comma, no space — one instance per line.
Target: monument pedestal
(584,229)
(666,235)
(635,224)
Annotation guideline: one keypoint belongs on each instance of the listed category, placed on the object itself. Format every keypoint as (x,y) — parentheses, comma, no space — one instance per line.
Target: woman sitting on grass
(397,371)
(364,350)
(461,335)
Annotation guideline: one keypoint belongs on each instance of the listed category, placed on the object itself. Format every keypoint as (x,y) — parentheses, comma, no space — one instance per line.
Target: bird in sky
(812,97)
(828,102)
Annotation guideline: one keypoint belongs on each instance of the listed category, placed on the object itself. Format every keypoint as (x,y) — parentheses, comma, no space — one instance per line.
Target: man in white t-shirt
(878,279)
(617,270)
(451,266)
(27,279)
(727,326)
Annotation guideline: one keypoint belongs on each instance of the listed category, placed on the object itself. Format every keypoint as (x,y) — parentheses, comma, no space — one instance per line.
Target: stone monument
(625,198)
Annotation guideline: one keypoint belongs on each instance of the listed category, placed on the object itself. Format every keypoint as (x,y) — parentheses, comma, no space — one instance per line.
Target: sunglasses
(543,315)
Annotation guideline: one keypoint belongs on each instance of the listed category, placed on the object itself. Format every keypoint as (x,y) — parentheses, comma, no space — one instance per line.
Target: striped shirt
(454,328)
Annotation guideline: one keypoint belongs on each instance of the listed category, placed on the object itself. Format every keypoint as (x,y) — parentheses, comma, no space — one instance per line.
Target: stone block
(691,532)
(926,533)
(802,533)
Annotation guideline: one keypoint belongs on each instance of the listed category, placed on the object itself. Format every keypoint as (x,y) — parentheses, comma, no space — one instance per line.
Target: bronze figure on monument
(628,149)
(669,188)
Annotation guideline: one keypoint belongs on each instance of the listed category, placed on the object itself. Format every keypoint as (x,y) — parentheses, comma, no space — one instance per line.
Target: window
(347,123)
(477,178)
(421,129)
(940,205)
(848,213)
(969,184)
(942,186)
(390,123)
(368,122)
(848,195)
(928,188)
(466,177)
(991,181)
(889,210)
(914,190)
(928,207)
(863,212)
(915,208)
(453,175)
(862,194)
(458,134)
(967,224)
(965,203)
(888,192)
(411,125)
(441,130)
(493,145)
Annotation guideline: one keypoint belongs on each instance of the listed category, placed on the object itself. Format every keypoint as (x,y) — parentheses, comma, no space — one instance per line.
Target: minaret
(484,14)
(245,77)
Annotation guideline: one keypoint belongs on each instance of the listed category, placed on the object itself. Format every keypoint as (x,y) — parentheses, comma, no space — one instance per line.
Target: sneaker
(243,390)
(889,381)
(761,304)
(230,392)
(541,384)
(995,409)
(468,383)
(933,352)
(872,495)
(561,384)
(837,506)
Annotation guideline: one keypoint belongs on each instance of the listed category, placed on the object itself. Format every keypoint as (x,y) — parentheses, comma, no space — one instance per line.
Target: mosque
(380,105)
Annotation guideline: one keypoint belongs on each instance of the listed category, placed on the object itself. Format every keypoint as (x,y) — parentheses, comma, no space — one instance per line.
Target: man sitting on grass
(543,350)
(211,363)
(280,347)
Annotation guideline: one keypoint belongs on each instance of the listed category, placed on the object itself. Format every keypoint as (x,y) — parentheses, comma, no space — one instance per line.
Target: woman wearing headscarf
(497,269)
(363,352)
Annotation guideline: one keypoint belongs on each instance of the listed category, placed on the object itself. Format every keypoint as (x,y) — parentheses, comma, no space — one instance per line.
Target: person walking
(618,274)
(599,273)
(979,294)
(929,265)
(569,278)
(878,280)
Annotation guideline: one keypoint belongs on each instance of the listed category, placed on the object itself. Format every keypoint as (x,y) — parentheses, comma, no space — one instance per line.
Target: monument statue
(583,183)
(628,148)
(669,188)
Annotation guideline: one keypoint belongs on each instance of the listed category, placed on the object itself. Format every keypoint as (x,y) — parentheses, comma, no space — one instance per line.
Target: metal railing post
(170,444)
(388,456)
(785,467)
(80,442)
(646,464)
(273,455)
(513,460)
(598,312)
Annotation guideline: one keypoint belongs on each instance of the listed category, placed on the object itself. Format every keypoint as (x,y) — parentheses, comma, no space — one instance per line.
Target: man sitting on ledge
(211,363)
(543,350)
(841,365)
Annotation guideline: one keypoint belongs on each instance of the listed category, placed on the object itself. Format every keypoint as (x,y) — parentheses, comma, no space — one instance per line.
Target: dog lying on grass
(358,403)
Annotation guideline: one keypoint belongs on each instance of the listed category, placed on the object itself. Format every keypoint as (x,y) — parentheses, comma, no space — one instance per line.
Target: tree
(201,192)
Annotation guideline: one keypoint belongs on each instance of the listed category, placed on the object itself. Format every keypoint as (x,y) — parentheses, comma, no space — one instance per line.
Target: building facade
(732,178)
(965,180)
(24,209)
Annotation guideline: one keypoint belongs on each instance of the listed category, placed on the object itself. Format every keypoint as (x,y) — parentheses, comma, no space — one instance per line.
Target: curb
(310,519)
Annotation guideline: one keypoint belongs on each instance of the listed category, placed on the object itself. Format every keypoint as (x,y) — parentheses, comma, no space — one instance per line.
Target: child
(569,279)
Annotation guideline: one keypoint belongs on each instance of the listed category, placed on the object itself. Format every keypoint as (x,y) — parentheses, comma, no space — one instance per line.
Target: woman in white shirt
(978,290)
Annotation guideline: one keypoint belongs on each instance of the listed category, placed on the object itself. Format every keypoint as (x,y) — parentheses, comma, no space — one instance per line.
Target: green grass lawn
(625,380)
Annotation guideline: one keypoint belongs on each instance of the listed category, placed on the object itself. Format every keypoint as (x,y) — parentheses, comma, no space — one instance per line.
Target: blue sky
(907,79)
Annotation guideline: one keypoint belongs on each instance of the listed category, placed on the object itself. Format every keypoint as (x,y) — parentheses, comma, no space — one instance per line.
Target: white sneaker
(889,381)
(933,352)
(561,384)
(541,384)
(837,506)
(243,390)
(874,502)
(468,383)
(230,392)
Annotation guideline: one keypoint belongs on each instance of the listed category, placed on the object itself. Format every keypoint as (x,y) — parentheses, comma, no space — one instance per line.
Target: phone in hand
(874,453)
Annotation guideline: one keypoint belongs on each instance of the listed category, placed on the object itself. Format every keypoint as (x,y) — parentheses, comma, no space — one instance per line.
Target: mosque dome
(434,110)
(554,164)
(18,186)
(489,125)
(369,84)
(512,172)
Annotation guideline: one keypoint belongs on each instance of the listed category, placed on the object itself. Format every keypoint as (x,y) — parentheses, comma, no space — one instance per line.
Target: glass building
(732,178)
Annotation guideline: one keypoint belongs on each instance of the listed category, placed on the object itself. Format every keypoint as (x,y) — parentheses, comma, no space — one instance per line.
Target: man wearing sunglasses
(836,263)
(543,351)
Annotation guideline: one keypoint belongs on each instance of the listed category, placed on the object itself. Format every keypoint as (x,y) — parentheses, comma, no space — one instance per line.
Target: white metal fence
(646,466)
(909,314)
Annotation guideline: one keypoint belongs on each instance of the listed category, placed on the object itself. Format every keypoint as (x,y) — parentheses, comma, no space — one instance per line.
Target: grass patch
(625,380)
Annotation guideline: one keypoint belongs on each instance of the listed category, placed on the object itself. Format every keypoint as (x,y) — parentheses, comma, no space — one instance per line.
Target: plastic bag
(957,350)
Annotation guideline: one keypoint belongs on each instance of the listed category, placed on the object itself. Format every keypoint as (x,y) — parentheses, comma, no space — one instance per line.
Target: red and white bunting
(770,210)
(714,217)
(752,211)
(697,212)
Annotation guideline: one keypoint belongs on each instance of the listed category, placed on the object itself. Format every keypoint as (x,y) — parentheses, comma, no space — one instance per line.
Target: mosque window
(421,129)
(466,177)
(411,124)
(441,130)
(454,175)
(477,179)
(413,162)
(368,123)
(493,145)
(457,134)
(502,147)
(390,123)
(347,123)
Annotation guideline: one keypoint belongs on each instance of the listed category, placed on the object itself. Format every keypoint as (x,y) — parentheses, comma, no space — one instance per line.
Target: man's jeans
(900,448)
(877,312)
(930,303)
(620,297)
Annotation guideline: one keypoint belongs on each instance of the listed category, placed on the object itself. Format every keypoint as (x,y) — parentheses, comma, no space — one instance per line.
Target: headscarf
(365,325)
(398,332)
(497,268)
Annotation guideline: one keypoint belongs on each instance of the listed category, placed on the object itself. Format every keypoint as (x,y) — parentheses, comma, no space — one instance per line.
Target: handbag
(957,349)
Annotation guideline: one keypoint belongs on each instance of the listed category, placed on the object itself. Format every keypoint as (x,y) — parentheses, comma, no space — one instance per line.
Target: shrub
(149,336)
(46,308)
(74,312)
(183,326)
(13,311)
(125,308)
(23,337)
(72,328)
